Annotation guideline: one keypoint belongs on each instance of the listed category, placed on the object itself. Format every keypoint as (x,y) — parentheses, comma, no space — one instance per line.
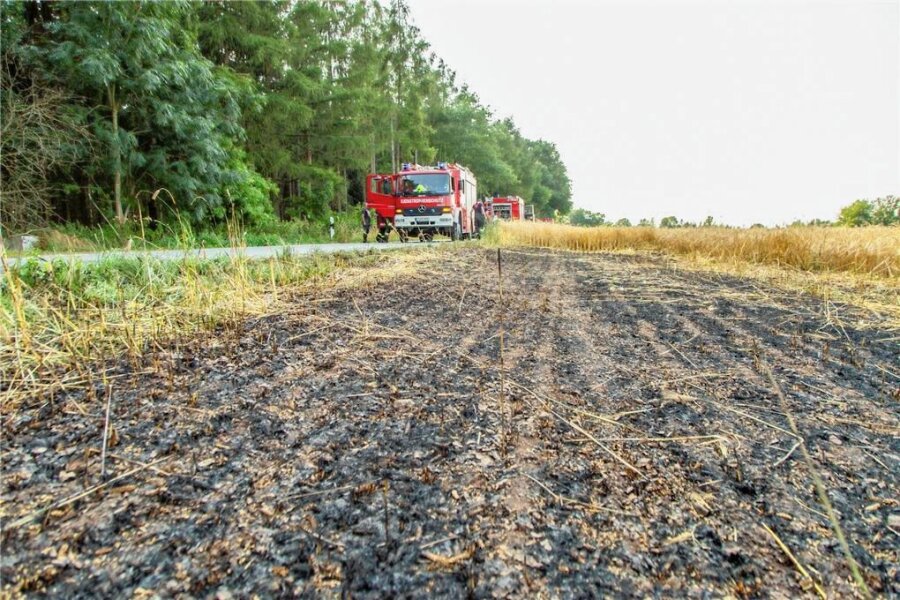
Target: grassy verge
(859,266)
(57,318)
(179,235)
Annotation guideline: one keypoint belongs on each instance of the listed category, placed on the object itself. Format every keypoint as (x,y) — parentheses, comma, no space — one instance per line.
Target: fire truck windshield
(425,184)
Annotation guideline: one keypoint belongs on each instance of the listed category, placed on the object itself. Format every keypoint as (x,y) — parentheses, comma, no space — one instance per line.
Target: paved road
(254,252)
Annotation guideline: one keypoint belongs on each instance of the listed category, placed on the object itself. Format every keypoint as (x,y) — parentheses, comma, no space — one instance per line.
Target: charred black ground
(358,441)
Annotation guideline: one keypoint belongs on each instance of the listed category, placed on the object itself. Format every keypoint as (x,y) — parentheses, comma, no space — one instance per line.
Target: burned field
(364,441)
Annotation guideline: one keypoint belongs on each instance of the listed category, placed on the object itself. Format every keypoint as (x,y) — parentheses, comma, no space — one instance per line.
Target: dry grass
(55,325)
(63,242)
(871,251)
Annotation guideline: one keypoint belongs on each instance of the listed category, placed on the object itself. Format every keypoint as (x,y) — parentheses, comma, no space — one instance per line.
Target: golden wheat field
(866,251)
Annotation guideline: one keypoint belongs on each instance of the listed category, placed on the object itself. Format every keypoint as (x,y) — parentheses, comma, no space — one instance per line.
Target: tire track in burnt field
(593,542)
(625,377)
(779,490)
(705,490)
(847,423)
(541,546)
(433,397)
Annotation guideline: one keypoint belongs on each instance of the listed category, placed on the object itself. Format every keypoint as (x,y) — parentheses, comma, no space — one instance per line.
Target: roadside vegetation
(178,112)
(59,319)
(74,237)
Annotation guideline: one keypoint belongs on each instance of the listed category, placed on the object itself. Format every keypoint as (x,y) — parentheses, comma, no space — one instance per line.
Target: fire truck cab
(423,201)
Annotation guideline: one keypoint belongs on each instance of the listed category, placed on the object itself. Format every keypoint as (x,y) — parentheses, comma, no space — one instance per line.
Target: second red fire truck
(508,208)
(423,201)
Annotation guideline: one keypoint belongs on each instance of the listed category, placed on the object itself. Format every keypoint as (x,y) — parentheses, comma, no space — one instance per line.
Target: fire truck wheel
(455,233)
(428,237)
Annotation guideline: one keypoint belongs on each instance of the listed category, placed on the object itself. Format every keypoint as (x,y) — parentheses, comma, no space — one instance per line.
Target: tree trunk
(393,149)
(90,206)
(117,154)
(363,182)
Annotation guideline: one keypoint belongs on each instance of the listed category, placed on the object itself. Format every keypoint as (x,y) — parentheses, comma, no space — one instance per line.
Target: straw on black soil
(357,443)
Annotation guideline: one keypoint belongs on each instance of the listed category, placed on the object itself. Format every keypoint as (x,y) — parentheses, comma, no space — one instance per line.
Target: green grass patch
(179,235)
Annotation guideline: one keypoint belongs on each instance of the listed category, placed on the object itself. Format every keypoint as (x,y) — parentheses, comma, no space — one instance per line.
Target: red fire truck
(423,201)
(508,208)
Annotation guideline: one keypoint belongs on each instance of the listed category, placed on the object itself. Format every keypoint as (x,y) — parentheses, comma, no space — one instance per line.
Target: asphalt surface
(254,252)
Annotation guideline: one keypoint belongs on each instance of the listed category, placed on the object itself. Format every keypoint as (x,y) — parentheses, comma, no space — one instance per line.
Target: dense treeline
(270,110)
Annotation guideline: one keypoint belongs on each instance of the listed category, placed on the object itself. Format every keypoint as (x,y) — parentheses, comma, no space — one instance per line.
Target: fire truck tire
(455,233)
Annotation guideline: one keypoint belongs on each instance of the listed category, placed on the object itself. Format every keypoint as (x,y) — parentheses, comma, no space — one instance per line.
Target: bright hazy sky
(748,111)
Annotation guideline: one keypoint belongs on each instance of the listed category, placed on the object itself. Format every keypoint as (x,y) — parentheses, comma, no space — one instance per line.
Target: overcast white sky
(748,111)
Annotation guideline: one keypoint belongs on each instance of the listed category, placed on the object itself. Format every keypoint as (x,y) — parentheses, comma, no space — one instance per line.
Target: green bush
(318,187)
(881,211)
(250,194)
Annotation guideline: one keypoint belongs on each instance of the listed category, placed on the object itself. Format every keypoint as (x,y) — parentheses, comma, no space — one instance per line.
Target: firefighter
(382,235)
(479,217)
(408,188)
(366,224)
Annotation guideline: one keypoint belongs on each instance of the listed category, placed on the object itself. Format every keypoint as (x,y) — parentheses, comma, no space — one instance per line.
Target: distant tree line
(881,211)
(586,218)
(271,109)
